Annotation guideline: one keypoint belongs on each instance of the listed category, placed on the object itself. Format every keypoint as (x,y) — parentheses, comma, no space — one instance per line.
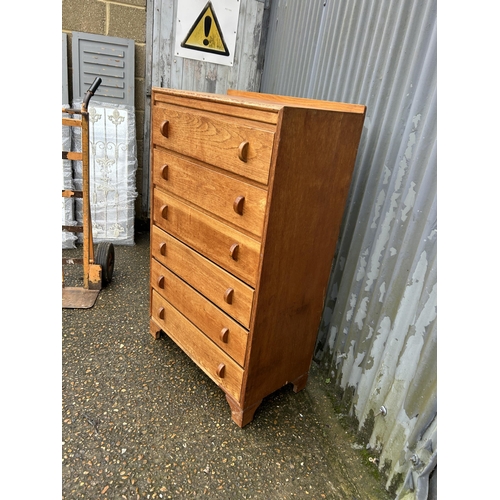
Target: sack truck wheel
(105,257)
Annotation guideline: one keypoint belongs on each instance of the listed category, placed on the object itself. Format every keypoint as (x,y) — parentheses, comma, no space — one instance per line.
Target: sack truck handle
(90,92)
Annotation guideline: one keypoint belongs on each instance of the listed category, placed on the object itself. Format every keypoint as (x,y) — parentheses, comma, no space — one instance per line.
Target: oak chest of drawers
(247,196)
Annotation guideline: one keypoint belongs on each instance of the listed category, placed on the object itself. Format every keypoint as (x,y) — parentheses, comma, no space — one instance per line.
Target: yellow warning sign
(205,34)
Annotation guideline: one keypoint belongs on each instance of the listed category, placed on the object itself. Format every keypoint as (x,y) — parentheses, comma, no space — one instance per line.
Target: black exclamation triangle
(212,39)
(208,25)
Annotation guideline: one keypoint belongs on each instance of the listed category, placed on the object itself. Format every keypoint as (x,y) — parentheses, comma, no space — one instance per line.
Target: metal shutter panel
(110,58)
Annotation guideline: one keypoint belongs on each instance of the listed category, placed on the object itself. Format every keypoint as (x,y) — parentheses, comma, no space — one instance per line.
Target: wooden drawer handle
(234,250)
(224,335)
(221,370)
(164,128)
(243,151)
(163,211)
(163,248)
(164,172)
(161,281)
(161,312)
(238,205)
(228,296)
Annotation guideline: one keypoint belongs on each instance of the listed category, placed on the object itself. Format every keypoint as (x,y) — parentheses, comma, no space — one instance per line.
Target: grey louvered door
(109,58)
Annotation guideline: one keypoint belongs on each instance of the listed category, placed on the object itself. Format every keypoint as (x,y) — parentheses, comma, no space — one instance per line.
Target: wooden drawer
(218,326)
(213,361)
(223,289)
(234,251)
(211,190)
(229,143)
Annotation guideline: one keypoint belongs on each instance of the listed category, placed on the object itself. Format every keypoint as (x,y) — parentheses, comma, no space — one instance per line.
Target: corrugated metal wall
(377,340)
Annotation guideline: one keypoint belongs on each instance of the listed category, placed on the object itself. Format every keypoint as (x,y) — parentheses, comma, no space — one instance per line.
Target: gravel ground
(141,421)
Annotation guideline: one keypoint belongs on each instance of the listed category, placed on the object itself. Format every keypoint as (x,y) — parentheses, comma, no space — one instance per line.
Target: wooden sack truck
(98,268)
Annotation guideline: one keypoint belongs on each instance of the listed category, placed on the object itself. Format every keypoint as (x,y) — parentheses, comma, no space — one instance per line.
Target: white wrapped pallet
(113,166)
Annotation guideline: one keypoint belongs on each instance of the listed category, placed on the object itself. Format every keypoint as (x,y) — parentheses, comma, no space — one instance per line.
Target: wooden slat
(73,229)
(69,193)
(71,155)
(72,111)
(263,112)
(299,102)
(69,260)
(72,122)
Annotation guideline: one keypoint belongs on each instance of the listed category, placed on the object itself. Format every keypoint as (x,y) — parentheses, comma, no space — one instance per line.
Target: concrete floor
(141,421)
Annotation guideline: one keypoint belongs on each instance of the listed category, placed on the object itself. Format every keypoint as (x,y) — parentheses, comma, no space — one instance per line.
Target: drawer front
(218,326)
(223,289)
(213,191)
(234,251)
(213,361)
(223,141)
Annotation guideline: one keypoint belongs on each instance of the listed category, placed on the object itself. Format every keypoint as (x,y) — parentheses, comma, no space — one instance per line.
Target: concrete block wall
(124,19)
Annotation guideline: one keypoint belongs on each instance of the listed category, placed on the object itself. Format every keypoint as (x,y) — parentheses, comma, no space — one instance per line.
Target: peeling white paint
(332,337)
(356,370)
(428,314)
(385,327)
(393,251)
(382,292)
(409,201)
(407,308)
(380,244)
(352,303)
(361,270)
(370,333)
(403,369)
(420,270)
(409,147)
(351,369)
(362,266)
(396,370)
(361,313)
(371,371)
(387,175)
(378,205)
(396,432)
(390,216)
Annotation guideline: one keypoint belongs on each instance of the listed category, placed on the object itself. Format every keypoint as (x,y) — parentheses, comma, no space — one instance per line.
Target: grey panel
(378,336)
(109,58)
(65,90)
